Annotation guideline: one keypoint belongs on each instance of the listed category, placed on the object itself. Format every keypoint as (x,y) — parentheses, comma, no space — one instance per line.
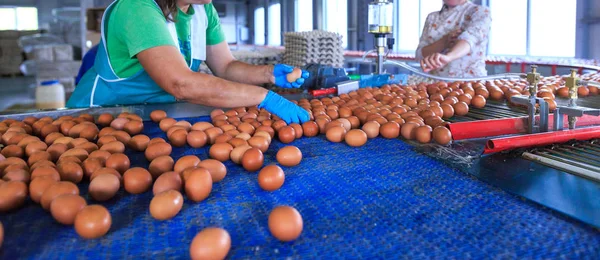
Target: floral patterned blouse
(474,21)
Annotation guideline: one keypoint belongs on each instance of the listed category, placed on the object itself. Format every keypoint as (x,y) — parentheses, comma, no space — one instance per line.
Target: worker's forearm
(459,50)
(216,92)
(248,74)
(436,47)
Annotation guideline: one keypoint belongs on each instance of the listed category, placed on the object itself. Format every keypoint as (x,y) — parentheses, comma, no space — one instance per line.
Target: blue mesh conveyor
(382,200)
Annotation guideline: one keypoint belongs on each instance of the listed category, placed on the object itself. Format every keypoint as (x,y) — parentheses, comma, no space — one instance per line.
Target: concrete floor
(16,92)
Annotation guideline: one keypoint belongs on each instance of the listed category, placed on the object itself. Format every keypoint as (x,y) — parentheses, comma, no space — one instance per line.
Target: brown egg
(310,129)
(252,160)
(90,165)
(201,126)
(408,130)
(220,151)
(178,138)
(551,104)
(185,124)
(298,130)
(246,128)
(105,170)
(287,134)
(104,187)
(448,110)
(442,135)
(27,140)
(89,133)
(224,138)
(478,101)
(13,150)
(356,138)
(294,75)
(137,180)
(56,189)
(583,91)
(157,115)
(158,149)
(92,221)
(198,185)
(243,136)
(106,131)
(119,162)
(119,123)
(390,130)
(133,127)
(371,128)
(336,134)
(65,207)
(216,168)
(105,140)
(267,129)
(12,195)
(167,181)
(88,146)
(423,134)
(213,133)
(259,142)
(461,108)
(285,223)
(39,156)
(70,171)
(105,119)
(271,178)
(196,138)
(100,154)
(161,165)
(49,171)
(185,162)
(238,152)
(16,175)
(593,90)
(156,140)
(139,142)
(166,123)
(289,156)
(113,147)
(121,136)
(37,187)
(210,243)
(166,205)
(75,152)
(52,137)
(48,129)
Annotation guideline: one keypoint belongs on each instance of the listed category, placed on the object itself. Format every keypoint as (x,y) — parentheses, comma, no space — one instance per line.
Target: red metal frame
(540,139)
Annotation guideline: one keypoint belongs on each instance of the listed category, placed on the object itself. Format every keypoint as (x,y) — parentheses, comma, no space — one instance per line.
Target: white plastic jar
(50,95)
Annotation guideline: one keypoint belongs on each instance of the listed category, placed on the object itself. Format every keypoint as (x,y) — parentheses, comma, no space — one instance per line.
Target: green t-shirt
(138,25)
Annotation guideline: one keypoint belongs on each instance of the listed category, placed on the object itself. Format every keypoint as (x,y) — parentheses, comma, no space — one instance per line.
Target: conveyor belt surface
(380,201)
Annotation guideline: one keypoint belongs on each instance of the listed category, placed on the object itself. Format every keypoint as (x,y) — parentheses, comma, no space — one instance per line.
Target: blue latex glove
(280,73)
(284,109)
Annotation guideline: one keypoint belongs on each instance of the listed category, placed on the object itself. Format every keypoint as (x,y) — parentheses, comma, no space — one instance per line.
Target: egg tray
(380,201)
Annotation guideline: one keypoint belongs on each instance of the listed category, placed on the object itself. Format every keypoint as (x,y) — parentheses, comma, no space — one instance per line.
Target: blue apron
(100,86)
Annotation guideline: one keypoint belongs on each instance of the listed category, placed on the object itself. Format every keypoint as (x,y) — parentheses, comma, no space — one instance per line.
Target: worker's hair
(169,9)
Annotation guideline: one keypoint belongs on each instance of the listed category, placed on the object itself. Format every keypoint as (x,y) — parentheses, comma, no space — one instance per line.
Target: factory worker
(151,52)
(454,40)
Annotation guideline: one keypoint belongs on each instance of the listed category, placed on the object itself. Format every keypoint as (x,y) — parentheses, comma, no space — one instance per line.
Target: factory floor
(16,92)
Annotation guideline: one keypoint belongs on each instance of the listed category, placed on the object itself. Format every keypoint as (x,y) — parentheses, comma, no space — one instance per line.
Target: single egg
(12,195)
(70,171)
(100,154)
(139,142)
(113,147)
(105,119)
(310,128)
(294,75)
(167,181)
(201,126)
(220,151)
(390,130)
(285,223)
(478,101)
(55,190)
(166,205)
(210,243)
(198,185)
(118,123)
(104,187)
(217,169)
(121,136)
(423,134)
(65,207)
(118,161)
(105,170)
(238,152)
(166,123)
(583,91)
(286,134)
(134,127)
(161,165)
(271,178)
(212,134)
(157,149)
(157,115)
(408,130)
(336,134)
(185,162)
(45,170)
(448,110)
(196,138)
(90,165)
(289,156)
(356,138)
(372,129)
(259,142)
(92,221)
(178,138)
(137,180)
(461,108)
(442,135)
(253,159)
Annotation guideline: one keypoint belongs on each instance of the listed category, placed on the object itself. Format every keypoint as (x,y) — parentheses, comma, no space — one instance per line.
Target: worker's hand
(280,72)
(284,109)
(435,61)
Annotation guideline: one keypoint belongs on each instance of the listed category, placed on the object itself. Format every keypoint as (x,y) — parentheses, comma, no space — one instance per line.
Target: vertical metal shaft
(381,45)
(572,83)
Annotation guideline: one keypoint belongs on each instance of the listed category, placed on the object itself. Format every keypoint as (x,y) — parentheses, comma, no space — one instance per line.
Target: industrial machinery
(380,25)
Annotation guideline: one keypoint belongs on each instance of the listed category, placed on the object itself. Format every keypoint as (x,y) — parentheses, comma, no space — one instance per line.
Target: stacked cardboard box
(302,48)
(11,54)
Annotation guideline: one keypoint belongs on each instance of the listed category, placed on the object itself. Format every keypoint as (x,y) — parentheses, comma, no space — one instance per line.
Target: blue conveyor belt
(380,201)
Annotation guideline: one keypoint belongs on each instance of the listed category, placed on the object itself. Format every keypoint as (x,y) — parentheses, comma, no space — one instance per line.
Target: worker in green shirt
(151,51)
